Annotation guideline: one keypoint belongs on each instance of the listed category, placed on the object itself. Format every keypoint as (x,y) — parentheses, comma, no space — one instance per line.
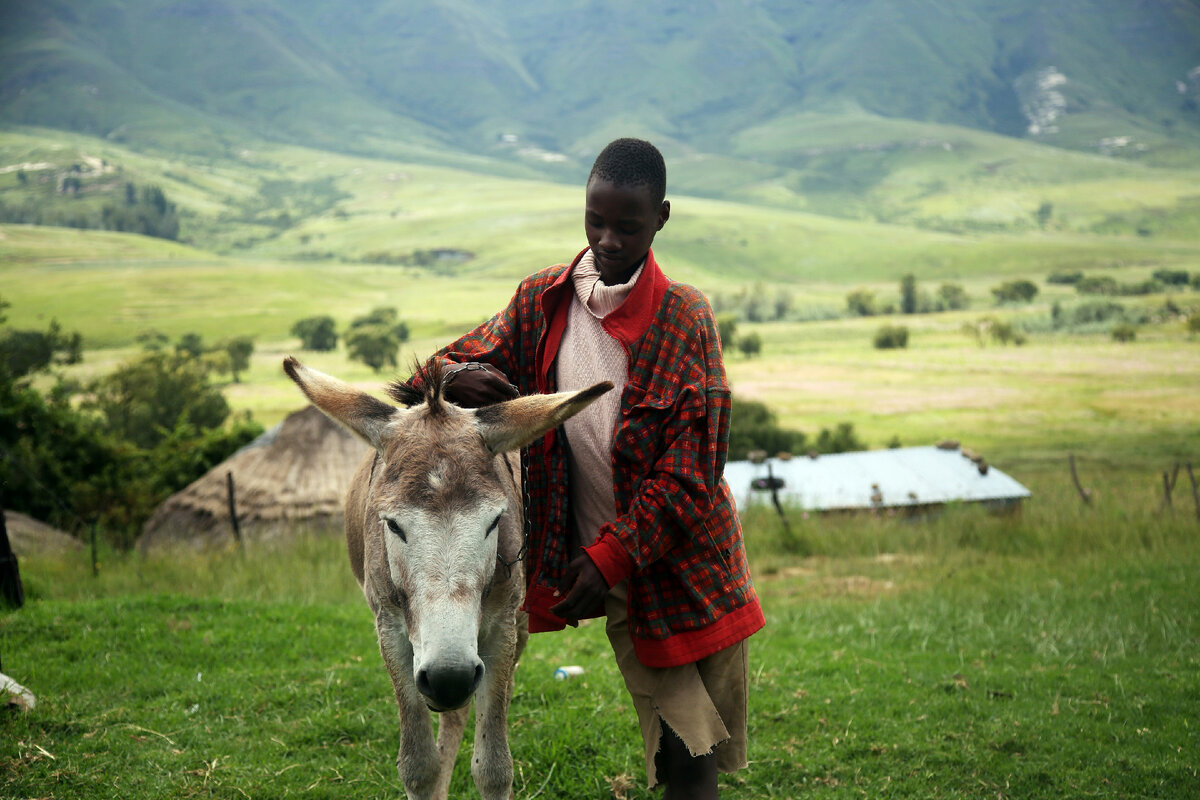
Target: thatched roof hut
(30,537)
(293,476)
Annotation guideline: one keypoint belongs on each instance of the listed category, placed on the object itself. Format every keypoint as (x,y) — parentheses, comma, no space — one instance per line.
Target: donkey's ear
(513,424)
(361,413)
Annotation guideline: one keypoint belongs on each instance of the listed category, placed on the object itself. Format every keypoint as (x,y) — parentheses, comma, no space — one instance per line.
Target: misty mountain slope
(377,75)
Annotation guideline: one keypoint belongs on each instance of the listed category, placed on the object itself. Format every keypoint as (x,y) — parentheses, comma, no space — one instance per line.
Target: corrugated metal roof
(907,476)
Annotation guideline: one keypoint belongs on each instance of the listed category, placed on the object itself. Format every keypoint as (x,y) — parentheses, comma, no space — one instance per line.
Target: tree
(727,329)
(953,297)
(1018,291)
(375,338)
(753,426)
(316,333)
(1044,213)
(861,302)
(190,344)
(840,440)
(26,352)
(143,400)
(750,345)
(374,345)
(239,348)
(908,294)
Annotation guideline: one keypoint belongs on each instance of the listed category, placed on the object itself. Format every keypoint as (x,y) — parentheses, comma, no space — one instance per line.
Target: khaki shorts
(705,702)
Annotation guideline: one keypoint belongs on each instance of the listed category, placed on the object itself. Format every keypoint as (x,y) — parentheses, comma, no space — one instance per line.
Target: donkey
(430,516)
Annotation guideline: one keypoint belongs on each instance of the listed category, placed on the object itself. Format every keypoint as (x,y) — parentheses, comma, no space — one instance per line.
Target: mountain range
(537,86)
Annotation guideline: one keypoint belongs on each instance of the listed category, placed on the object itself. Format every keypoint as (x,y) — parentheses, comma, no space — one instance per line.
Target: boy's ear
(514,424)
(664,214)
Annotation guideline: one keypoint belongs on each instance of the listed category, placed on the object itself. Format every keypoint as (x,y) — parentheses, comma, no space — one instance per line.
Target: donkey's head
(439,504)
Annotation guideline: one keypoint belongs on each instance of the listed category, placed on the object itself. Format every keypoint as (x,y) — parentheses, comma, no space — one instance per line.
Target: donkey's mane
(425,386)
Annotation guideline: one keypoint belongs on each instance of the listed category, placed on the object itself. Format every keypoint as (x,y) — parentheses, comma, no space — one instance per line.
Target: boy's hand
(475,385)
(585,590)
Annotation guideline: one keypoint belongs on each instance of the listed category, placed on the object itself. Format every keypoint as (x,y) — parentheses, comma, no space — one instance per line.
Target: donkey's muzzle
(449,687)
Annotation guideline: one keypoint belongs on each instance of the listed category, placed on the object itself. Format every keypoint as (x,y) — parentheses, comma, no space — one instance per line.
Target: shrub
(1150,286)
(952,296)
(1124,332)
(890,337)
(750,345)
(998,331)
(1019,291)
(1097,284)
(1065,278)
(1172,277)
(727,329)
(1193,322)
(1096,311)
(753,426)
(861,302)
(840,440)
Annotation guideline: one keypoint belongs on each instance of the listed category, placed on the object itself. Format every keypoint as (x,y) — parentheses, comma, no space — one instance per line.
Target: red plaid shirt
(677,538)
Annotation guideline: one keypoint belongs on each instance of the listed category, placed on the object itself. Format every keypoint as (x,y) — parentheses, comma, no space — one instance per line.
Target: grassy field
(1047,655)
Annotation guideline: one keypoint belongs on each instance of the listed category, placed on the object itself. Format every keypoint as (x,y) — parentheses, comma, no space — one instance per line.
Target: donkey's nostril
(423,683)
(449,687)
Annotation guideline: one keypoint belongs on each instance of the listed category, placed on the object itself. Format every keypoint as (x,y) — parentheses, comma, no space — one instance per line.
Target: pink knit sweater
(588,354)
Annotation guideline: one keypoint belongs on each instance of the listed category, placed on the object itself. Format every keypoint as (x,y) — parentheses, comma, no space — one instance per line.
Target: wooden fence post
(1195,489)
(1086,494)
(233,517)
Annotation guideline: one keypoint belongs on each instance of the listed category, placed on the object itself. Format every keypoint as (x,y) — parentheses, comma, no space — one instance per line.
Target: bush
(1172,277)
(840,440)
(861,302)
(1065,278)
(1097,284)
(750,344)
(1124,332)
(752,426)
(890,337)
(143,400)
(1019,291)
(1096,311)
(996,330)
(1193,322)
(727,330)
(953,297)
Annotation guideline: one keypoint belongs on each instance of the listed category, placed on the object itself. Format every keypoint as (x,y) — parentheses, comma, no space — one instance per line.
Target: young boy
(629,515)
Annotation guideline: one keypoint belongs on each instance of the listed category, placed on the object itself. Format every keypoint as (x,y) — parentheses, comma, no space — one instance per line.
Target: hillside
(540,84)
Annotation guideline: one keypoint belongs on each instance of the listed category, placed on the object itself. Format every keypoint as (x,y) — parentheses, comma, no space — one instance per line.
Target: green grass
(1051,654)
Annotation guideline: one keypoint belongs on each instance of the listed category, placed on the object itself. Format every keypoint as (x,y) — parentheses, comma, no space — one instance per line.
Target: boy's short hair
(632,162)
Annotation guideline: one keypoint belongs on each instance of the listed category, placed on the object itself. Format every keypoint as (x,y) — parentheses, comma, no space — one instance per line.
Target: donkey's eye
(495,524)
(395,528)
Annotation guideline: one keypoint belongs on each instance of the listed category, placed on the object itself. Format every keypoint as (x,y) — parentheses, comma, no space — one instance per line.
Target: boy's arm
(494,346)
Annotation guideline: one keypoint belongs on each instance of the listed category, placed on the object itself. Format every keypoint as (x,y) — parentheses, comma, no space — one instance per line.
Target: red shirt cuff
(610,558)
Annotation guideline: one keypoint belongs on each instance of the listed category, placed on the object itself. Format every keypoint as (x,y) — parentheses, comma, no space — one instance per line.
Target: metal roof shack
(899,478)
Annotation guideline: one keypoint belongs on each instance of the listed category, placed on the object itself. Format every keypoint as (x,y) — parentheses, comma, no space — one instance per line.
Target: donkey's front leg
(417,762)
(492,765)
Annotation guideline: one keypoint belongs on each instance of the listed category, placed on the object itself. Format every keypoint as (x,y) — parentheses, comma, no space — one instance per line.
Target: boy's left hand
(586,589)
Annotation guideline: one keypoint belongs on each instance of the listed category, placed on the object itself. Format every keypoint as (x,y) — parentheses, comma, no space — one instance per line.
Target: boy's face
(620,223)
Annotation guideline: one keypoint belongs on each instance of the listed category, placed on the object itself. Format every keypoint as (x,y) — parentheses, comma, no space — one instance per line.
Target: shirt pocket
(649,422)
